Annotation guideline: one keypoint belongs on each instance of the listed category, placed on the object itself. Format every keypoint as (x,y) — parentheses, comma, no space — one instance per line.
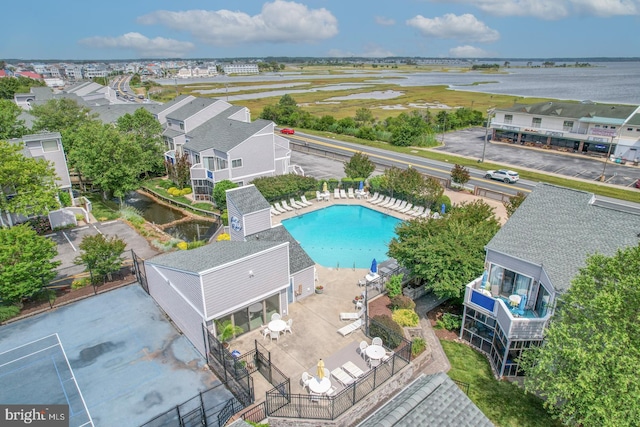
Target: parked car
(638,183)
(503,175)
(287,131)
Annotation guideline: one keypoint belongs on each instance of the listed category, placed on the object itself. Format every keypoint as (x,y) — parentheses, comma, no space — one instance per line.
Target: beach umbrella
(324,187)
(361,186)
(523,303)
(374,266)
(320,369)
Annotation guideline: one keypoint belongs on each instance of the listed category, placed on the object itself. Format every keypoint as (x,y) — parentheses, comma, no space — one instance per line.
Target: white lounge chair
(351,316)
(274,211)
(418,211)
(295,204)
(305,201)
(336,193)
(382,200)
(406,208)
(352,369)
(389,203)
(346,330)
(350,193)
(344,378)
(343,194)
(286,206)
(425,214)
(399,207)
(374,197)
(279,208)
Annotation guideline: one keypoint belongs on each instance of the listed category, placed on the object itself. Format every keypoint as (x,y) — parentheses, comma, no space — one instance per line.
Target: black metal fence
(234,371)
(463,386)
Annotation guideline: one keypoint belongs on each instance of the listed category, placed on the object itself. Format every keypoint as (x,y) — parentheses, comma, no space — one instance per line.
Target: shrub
(79,217)
(386,328)
(223,236)
(165,183)
(394,285)
(186,190)
(450,322)
(438,204)
(418,345)
(65,198)
(8,311)
(225,218)
(80,283)
(196,244)
(132,215)
(182,246)
(400,302)
(406,317)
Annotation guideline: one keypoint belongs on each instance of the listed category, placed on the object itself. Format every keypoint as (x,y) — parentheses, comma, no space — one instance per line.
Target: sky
(135,29)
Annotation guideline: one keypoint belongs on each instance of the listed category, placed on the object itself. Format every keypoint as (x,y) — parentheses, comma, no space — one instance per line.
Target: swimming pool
(343,235)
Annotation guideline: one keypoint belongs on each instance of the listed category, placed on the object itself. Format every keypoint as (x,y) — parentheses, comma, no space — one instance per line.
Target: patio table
(277,325)
(375,352)
(514,299)
(319,386)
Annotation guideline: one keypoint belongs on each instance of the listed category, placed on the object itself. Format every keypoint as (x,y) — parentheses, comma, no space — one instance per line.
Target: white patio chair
(374,363)
(319,196)
(363,349)
(305,379)
(332,390)
(276,316)
(327,373)
(274,335)
(376,341)
(387,356)
(314,396)
(288,327)
(265,332)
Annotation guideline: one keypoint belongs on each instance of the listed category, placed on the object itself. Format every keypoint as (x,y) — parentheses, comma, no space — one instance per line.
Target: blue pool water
(343,235)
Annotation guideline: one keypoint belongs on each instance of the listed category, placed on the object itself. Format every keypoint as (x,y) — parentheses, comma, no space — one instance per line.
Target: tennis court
(114,358)
(42,362)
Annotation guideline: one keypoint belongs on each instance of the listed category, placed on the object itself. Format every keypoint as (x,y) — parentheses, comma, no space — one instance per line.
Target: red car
(287,131)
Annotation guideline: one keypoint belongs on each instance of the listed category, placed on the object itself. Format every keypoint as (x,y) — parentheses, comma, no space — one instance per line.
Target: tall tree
(27,185)
(10,125)
(146,132)
(359,166)
(179,172)
(62,115)
(107,158)
(364,116)
(220,195)
(446,253)
(101,256)
(460,175)
(514,202)
(25,263)
(587,369)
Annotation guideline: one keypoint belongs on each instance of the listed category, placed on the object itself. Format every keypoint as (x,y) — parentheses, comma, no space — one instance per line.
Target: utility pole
(486,132)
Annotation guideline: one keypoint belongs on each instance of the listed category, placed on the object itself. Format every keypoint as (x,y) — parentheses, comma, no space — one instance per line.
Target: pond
(161,214)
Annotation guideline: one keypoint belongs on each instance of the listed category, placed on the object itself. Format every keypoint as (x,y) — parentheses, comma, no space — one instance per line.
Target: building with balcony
(589,128)
(222,143)
(241,69)
(530,262)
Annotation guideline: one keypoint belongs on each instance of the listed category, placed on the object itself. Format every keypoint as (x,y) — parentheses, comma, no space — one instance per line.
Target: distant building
(241,69)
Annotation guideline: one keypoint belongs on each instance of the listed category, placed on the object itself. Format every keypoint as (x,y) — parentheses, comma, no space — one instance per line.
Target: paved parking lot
(69,243)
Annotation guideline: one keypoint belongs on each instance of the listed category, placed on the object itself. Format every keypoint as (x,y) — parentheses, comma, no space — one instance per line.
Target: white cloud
(450,26)
(144,47)
(553,9)
(381,20)
(468,52)
(278,22)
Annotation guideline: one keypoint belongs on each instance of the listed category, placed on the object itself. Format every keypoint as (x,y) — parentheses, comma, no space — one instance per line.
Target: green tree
(101,256)
(9,86)
(514,202)
(364,116)
(179,172)
(10,125)
(62,115)
(146,131)
(27,185)
(25,263)
(460,175)
(359,166)
(108,159)
(587,370)
(446,253)
(219,192)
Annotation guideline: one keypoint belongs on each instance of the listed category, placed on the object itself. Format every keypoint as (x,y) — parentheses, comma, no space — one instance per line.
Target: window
(509,282)
(181,126)
(49,145)
(221,164)
(196,158)
(236,163)
(605,127)
(629,129)
(508,118)
(567,125)
(536,122)
(209,163)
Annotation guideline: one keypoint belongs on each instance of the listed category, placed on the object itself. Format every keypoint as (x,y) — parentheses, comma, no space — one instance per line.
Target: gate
(138,269)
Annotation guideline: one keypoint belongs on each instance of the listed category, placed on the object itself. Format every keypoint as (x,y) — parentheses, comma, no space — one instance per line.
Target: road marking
(94,226)
(109,222)
(82,228)
(69,240)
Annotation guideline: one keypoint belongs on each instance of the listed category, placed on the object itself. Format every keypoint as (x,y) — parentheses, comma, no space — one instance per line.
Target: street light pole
(602,177)
(486,133)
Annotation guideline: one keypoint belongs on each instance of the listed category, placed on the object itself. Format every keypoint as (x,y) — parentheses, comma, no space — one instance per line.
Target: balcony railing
(514,326)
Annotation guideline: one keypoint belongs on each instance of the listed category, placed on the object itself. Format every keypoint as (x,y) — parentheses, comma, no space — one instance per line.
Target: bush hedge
(406,317)
(387,329)
(276,188)
(400,302)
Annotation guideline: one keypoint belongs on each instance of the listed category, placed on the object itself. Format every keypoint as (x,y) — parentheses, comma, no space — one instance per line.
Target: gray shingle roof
(171,133)
(574,110)
(431,400)
(247,199)
(191,108)
(223,133)
(210,256)
(559,228)
(298,258)
(111,113)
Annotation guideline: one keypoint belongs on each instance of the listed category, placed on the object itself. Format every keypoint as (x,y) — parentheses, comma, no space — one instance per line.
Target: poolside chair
(352,369)
(399,207)
(319,196)
(351,316)
(374,363)
(305,201)
(274,335)
(406,208)
(274,211)
(336,193)
(350,194)
(276,316)
(425,214)
(286,206)
(343,194)
(304,380)
(391,202)
(346,330)
(295,204)
(418,211)
(436,215)
(374,197)
(388,355)
(265,331)
(342,377)
(376,341)
(363,349)
(332,390)
(288,327)
(279,208)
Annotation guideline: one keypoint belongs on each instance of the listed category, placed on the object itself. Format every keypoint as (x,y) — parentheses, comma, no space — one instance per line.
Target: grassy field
(504,403)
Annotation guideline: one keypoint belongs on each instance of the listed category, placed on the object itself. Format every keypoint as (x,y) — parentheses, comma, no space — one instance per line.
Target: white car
(507,176)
